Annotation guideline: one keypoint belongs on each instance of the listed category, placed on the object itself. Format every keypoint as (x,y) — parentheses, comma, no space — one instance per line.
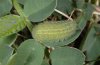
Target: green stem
(22,14)
(18,8)
(29,24)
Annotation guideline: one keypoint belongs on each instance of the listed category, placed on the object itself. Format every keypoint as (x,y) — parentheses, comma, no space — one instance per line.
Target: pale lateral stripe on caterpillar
(54,30)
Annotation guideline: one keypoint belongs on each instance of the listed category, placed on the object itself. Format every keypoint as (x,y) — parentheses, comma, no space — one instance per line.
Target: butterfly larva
(54,30)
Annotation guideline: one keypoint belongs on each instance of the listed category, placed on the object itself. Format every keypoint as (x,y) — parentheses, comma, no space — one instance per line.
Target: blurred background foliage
(19,48)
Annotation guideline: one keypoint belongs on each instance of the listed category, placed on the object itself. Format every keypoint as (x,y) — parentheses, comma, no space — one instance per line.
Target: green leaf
(45,62)
(87,14)
(65,6)
(90,39)
(97,27)
(5,53)
(8,40)
(92,63)
(80,3)
(88,10)
(11,24)
(92,45)
(67,56)
(5,7)
(21,1)
(38,10)
(28,53)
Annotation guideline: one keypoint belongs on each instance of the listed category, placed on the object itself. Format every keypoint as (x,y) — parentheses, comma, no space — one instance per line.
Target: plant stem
(97,10)
(22,14)
(18,8)
(63,14)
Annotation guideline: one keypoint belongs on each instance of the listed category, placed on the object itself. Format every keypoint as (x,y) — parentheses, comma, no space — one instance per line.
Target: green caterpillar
(11,24)
(54,30)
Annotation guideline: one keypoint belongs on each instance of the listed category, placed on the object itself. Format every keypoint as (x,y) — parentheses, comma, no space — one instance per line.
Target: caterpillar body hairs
(54,30)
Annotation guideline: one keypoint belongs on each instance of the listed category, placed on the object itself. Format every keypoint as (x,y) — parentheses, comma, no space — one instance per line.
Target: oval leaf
(80,3)
(67,56)
(11,24)
(8,40)
(38,10)
(5,7)
(92,45)
(29,53)
(5,53)
(65,6)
